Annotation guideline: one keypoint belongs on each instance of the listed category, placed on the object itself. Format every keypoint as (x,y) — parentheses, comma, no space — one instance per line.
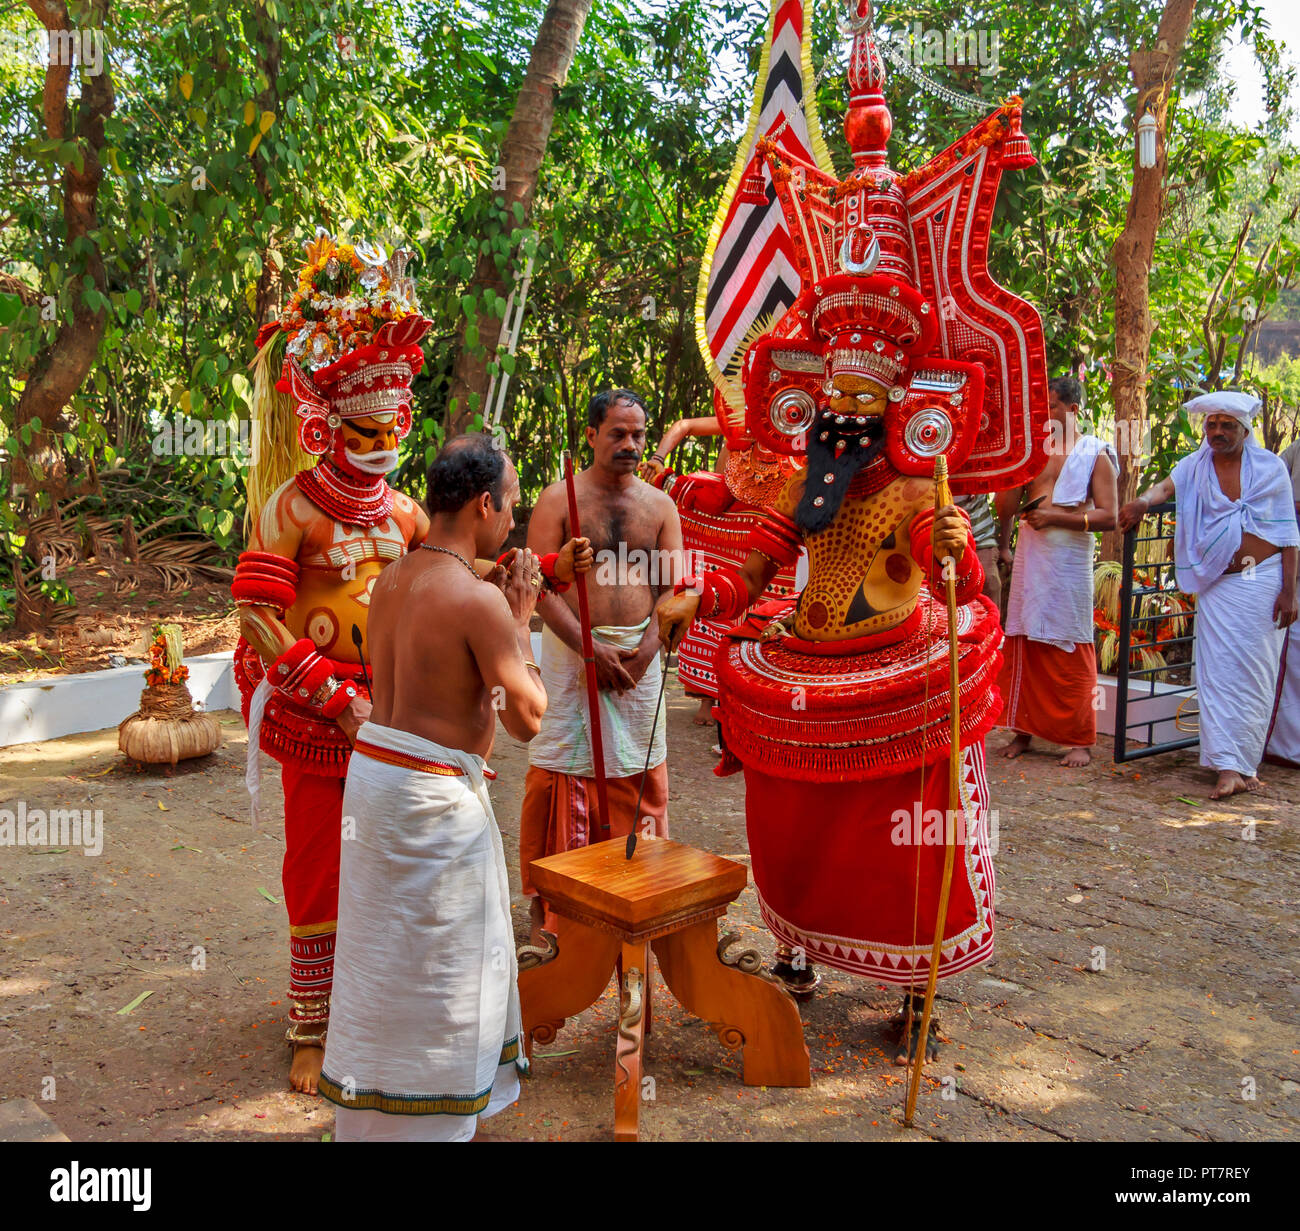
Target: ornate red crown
(897,289)
(353,329)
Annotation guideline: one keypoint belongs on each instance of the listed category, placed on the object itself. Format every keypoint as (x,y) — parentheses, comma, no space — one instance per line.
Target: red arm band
(300,671)
(340,701)
(777,537)
(723,594)
(264,579)
(970,574)
(548,572)
(547,563)
(703,492)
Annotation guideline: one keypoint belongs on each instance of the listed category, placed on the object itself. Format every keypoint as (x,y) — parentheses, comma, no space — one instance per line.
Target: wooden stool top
(663,887)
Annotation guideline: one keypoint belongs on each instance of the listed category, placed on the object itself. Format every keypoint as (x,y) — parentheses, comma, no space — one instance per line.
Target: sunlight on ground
(24,985)
(1213,818)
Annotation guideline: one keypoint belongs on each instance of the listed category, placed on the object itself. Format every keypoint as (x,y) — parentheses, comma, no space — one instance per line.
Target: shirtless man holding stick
(637,536)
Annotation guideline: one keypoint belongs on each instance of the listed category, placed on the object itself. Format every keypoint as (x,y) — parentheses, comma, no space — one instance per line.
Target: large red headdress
(354,331)
(896,290)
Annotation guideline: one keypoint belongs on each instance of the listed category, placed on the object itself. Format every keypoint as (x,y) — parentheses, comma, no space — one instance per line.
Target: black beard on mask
(864,443)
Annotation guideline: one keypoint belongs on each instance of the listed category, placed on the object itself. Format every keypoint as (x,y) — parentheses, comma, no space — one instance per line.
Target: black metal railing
(1137,737)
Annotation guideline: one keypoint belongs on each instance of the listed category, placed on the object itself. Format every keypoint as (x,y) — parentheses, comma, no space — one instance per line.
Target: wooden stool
(665,898)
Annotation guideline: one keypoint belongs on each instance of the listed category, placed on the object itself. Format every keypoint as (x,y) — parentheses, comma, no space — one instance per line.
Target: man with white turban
(1235,548)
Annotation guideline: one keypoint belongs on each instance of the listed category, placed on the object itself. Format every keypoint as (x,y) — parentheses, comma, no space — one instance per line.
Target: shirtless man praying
(424,1034)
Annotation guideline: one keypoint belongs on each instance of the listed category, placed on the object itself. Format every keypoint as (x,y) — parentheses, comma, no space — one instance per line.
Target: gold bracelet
(1085,521)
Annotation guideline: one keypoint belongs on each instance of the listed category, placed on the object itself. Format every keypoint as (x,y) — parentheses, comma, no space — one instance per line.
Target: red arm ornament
(263,579)
(969,577)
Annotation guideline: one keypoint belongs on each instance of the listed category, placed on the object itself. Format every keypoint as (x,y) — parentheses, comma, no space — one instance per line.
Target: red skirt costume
(715,530)
(299,730)
(845,748)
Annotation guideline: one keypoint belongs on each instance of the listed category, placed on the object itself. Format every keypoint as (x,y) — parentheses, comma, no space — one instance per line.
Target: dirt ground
(1189,1031)
(112,623)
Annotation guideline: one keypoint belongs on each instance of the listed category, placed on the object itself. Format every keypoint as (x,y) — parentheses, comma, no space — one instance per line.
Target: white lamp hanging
(1146,141)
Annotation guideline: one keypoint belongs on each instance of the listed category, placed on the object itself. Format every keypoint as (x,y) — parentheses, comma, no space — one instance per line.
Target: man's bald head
(465,468)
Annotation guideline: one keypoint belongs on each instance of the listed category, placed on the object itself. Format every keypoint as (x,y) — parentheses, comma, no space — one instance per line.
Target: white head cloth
(1241,406)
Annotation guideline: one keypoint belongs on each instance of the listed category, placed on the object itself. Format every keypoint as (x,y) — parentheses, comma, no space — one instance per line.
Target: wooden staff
(942,498)
(588,658)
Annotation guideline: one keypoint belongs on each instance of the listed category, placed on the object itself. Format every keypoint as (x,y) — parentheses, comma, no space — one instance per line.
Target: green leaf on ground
(270,897)
(136,1003)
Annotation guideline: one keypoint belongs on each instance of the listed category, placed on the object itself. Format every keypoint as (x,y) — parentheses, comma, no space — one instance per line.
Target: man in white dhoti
(637,535)
(1283,745)
(1049,662)
(1235,548)
(424,1033)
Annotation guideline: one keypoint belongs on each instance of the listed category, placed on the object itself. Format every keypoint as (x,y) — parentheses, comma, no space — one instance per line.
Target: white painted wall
(70,704)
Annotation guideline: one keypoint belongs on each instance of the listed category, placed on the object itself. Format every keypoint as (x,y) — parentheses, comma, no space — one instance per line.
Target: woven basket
(167,728)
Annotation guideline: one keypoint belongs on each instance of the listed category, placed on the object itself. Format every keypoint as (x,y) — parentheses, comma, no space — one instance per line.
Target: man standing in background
(1283,745)
(637,537)
(1049,663)
(984,530)
(1235,548)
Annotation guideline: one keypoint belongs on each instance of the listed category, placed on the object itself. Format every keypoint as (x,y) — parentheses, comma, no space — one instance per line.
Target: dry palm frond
(47,538)
(1153,551)
(278,454)
(1147,660)
(1106,584)
(1107,650)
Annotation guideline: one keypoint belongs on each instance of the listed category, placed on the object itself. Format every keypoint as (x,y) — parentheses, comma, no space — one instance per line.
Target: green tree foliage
(239,127)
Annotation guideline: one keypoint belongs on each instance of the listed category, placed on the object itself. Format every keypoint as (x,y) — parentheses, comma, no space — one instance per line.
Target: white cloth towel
(1237,654)
(1075,480)
(1051,578)
(1051,587)
(1209,526)
(424,1016)
(253,762)
(563,744)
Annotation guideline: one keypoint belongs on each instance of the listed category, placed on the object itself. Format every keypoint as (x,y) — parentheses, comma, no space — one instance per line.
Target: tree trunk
(60,368)
(521,159)
(1153,76)
(267,304)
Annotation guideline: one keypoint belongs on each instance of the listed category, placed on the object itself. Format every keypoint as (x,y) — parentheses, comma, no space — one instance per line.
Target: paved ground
(1195,1011)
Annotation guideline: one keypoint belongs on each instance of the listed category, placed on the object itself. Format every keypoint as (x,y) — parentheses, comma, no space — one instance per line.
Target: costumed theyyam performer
(332,386)
(749,276)
(900,353)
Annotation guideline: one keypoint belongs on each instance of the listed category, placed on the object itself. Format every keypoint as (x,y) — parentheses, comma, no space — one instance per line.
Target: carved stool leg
(628,1050)
(568,984)
(744,1010)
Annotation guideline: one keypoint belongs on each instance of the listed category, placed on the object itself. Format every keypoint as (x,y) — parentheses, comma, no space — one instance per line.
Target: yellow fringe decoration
(277,453)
